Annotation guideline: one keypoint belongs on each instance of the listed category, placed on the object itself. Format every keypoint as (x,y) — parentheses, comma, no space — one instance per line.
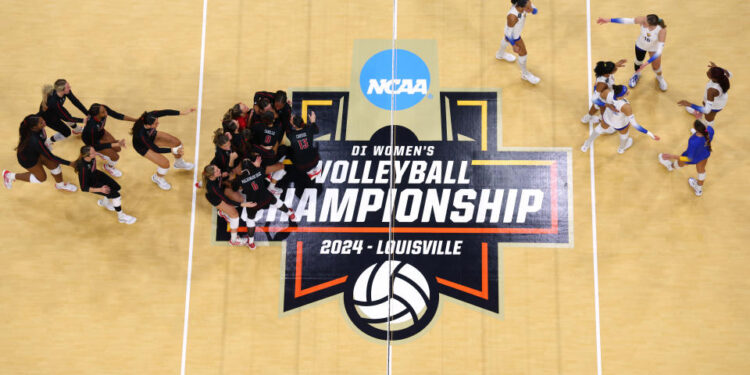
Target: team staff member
(100,139)
(97,182)
(55,115)
(33,155)
(148,143)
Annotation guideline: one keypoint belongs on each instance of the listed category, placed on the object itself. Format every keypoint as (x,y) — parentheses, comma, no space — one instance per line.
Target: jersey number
(254,185)
(268,140)
(302,143)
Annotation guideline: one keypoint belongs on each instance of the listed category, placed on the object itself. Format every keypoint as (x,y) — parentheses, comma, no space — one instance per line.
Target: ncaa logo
(410,85)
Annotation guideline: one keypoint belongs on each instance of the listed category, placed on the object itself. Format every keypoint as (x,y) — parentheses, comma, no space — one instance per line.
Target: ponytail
(654,20)
(220,138)
(25,129)
(85,152)
(145,119)
(46,90)
(208,171)
(701,128)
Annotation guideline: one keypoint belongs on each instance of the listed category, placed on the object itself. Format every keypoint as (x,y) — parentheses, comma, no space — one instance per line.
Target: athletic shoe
(104,202)
(240,241)
(182,164)
(627,146)
(690,110)
(315,171)
(697,188)
(291,214)
(275,191)
(501,55)
(112,170)
(251,245)
(7,180)
(125,218)
(223,215)
(66,187)
(586,118)
(662,84)
(163,184)
(634,80)
(77,130)
(585,146)
(666,163)
(530,77)
(609,130)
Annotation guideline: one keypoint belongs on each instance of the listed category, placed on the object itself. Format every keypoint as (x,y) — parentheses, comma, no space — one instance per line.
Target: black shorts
(266,201)
(26,163)
(101,179)
(214,200)
(140,148)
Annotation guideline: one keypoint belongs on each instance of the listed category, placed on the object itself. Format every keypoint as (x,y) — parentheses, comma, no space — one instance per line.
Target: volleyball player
(239,112)
(652,38)
(255,188)
(103,142)
(268,137)
(151,144)
(605,79)
(515,21)
(304,155)
(225,205)
(224,158)
(97,182)
(715,98)
(698,151)
(32,153)
(619,116)
(283,108)
(55,115)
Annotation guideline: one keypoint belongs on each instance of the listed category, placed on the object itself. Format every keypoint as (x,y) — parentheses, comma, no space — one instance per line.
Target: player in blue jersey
(698,151)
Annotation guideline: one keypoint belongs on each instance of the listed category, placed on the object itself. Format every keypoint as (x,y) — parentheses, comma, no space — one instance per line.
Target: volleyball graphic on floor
(409,302)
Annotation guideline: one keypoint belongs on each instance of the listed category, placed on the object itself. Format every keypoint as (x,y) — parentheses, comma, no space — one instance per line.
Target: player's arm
(628,111)
(627,21)
(512,21)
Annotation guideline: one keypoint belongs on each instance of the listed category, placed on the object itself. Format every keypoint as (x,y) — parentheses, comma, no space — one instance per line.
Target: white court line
(195,190)
(593,200)
(389,359)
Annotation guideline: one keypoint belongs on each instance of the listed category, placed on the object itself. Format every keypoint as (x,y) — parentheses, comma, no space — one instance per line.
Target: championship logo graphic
(437,181)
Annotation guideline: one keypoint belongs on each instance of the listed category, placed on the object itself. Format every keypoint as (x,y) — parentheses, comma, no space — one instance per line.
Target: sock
(675,164)
(251,234)
(117,203)
(503,44)
(624,139)
(522,63)
(12,176)
(58,137)
(598,130)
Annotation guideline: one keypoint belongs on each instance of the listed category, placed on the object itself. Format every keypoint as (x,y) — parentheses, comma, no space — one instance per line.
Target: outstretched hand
(311,117)
(602,21)
(187,111)
(684,103)
(620,63)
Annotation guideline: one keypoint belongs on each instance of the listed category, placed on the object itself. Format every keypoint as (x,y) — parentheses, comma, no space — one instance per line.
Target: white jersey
(607,80)
(648,39)
(616,119)
(719,101)
(515,31)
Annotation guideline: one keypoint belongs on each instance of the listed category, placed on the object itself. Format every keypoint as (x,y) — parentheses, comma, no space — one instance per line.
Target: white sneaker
(275,191)
(502,55)
(586,118)
(634,80)
(104,202)
(666,163)
(690,110)
(7,180)
(291,214)
(240,241)
(662,84)
(314,172)
(585,146)
(112,170)
(66,187)
(697,188)
(77,130)
(530,77)
(163,184)
(182,164)
(125,218)
(48,142)
(628,144)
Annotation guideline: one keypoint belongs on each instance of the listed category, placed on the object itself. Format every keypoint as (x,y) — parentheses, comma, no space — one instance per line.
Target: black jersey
(221,159)
(215,193)
(143,139)
(304,153)
(55,110)
(267,136)
(29,154)
(255,187)
(263,95)
(94,130)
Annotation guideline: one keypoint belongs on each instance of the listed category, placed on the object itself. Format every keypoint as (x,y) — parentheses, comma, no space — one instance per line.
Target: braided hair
(721,76)
(701,128)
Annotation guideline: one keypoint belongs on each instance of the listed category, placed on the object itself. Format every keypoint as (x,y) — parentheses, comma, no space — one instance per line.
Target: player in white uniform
(714,99)
(618,115)
(605,79)
(652,38)
(516,19)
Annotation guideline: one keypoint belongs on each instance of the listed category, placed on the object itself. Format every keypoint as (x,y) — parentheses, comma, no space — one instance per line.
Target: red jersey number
(303,143)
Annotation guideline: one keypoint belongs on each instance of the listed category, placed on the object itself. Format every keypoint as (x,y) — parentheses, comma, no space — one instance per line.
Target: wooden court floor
(82,294)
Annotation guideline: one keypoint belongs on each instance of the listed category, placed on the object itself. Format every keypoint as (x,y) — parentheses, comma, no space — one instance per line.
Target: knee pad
(176,150)
(702,176)
(657,70)
(162,171)
(34,180)
(234,223)
(117,202)
(56,171)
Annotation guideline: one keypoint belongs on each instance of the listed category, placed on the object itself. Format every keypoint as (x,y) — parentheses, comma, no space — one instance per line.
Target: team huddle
(610,108)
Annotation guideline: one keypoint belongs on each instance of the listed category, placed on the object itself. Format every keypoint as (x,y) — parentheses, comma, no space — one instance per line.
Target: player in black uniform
(224,157)
(225,206)
(268,137)
(34,155)
(147,142)
(283,108)
(55,115)
(97,182)
(304,155)
(103,142)
(255,188)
